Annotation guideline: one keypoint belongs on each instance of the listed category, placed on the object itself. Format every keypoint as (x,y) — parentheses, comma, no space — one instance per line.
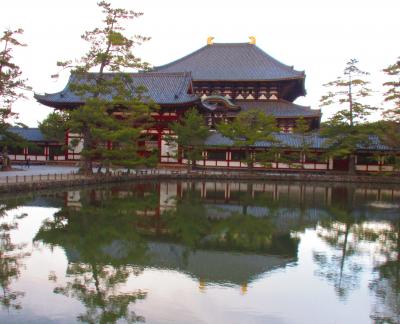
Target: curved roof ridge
(289,67)
(181,59)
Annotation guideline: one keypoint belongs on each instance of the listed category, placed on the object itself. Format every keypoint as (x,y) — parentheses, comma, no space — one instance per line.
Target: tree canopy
(55,125)
(114,110)
(344,130)
(12,87)
(392,94)
(248,128)
(191,133)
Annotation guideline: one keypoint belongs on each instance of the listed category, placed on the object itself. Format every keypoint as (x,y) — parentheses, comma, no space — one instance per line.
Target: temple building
(222,80)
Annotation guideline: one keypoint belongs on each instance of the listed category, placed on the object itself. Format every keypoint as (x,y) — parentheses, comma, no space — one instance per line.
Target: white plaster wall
(234,164)
(38,158)
(78,148)
(75,158)
(169,149)
(387,168)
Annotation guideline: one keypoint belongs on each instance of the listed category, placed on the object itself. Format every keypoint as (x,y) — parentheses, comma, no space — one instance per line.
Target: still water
(202,252)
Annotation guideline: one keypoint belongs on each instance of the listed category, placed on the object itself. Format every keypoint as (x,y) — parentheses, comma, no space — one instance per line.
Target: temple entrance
(341,164)
(55,150)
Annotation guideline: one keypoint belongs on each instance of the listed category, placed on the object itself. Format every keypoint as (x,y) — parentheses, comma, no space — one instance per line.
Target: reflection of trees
(339,266)
(11,256)
(101,243)
(247,233)
(190,224)
(95,285)
(386,284)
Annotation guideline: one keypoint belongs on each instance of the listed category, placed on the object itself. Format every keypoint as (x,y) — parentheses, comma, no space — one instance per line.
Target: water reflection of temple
(222,199)
(289,207)
(206,266)
(204,231)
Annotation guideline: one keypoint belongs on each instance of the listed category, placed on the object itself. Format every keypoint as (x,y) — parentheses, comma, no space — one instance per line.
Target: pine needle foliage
(12,88)
(115,114)
(345,131)
(248,128)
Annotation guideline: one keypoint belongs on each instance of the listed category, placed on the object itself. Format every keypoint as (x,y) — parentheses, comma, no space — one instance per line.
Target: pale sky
(313,35)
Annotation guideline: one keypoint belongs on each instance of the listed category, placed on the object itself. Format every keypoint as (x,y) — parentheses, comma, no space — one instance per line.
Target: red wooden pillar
(66,144)
(47,152)
(159,138)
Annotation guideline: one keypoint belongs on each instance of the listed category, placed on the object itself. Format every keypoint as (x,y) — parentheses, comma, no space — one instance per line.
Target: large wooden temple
(221,80)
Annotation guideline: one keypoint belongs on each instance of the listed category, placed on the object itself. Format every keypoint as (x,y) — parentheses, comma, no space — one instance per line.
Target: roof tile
(232,62)
(279,108)
(314,140)
(30,134)
(163,88)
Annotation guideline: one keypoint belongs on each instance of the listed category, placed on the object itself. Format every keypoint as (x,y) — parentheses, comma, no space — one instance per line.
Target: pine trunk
(193,166)
(5,165)
(249,160)
(352,164)
(87,166)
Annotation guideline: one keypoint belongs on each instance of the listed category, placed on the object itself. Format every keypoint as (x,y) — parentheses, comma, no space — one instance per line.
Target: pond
(202,252)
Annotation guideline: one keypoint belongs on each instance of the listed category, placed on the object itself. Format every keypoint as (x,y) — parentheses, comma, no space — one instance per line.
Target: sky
(317,36)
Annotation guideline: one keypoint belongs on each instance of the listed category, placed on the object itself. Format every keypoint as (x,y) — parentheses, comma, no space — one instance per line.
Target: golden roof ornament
(210,40)
(252,40)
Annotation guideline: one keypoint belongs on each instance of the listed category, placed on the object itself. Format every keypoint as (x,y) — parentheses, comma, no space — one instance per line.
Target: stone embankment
(49,181)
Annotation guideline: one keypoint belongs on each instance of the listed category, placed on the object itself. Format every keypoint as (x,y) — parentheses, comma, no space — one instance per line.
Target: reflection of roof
(284,218)
(232,62)
(314,141)
(163,88)
(214,266)
(221,211)
(279,108)
(41,201)
(210,266)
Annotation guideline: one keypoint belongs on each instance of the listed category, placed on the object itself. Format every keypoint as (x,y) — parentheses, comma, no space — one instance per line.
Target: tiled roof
(163,88)
(314,141)
(279,108)
(30,134)
(232,62)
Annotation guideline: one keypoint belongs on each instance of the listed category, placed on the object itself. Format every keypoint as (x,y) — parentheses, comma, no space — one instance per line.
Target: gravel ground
(20,170)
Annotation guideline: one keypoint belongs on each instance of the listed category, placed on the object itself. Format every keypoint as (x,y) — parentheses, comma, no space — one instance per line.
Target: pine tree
(106,93)
(190,134)
(248,128)
(302,130)
(344,131)
(390,128)
(12,86)
(55,125)
(392,95)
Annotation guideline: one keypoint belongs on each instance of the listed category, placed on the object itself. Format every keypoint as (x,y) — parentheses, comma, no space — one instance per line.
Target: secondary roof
(162,88)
